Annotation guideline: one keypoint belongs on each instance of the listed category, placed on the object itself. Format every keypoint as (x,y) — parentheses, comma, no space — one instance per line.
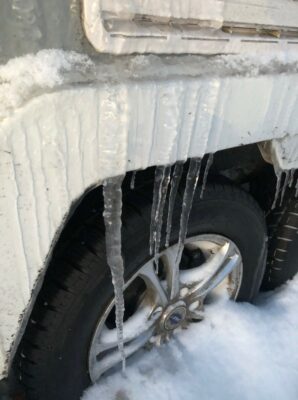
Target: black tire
(282,262)
(54,351)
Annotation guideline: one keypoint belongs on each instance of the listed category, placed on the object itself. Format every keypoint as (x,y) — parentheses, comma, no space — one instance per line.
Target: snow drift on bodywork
(25,77)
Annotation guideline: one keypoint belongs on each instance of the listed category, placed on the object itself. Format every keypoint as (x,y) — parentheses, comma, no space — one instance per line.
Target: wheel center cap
(174,318)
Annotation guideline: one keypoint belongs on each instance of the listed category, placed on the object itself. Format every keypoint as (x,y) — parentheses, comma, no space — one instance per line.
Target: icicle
(189,191)
(207,169)
(296,188)
(159,173)
(160,212)
(155,211)
(284,187)
(133,179)
(292,173)
(278,173)
(112,217)
(175,181)
(161,183)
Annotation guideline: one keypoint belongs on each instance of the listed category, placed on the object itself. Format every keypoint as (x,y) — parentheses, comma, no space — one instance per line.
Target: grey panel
(27,26)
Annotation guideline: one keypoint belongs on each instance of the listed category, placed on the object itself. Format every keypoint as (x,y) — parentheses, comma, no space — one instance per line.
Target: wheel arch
(245,161)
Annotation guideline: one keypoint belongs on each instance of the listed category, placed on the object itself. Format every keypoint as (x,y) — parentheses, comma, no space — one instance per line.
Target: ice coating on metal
(112,217)
(207,169)
(189,26)
(157,26)
(175,180)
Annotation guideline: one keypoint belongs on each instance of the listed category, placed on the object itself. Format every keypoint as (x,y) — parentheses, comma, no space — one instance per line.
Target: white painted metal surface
(191,26)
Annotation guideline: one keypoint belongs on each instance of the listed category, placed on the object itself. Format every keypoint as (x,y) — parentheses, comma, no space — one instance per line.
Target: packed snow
(23,78)
(240,351)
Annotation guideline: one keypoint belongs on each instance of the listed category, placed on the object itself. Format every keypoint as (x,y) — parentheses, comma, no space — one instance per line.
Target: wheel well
(243,166)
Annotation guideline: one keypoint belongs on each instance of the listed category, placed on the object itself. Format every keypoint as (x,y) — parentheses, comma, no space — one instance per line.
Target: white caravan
(151,141)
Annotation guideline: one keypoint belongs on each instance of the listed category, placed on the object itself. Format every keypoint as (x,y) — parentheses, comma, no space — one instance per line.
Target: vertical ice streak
(159,175)
(133,180)
(160,212)
(284,187)
(207,169)
(189,191)
(278,173)
(158,191)
(112,217)
(292,173)
(175,181)
(296,188)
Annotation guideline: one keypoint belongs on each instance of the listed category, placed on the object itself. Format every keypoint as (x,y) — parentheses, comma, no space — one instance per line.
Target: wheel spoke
(135,326)
(203,288)
(114,357)
(153,282)
(164,296)
(201,273)
(172,269)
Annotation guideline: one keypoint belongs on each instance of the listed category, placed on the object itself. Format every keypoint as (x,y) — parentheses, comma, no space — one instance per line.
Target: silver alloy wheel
(171,299)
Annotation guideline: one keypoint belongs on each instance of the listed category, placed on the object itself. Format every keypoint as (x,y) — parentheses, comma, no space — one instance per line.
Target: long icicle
(162,178)
(159,176)
(112,217)
(278,173)
(189,191)
(284,187)
(207,169)
(296,188)
(175,181)
(160,212)
(292,174)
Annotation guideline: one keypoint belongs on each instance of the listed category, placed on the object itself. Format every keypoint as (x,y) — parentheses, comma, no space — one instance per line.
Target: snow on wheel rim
(170,300)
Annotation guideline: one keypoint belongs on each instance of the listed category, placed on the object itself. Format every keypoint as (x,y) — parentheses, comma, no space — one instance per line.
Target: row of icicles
(288,181)
(166,184)
(165,176)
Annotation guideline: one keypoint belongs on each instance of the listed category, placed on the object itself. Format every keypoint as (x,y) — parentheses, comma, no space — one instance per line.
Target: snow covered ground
(240,351)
